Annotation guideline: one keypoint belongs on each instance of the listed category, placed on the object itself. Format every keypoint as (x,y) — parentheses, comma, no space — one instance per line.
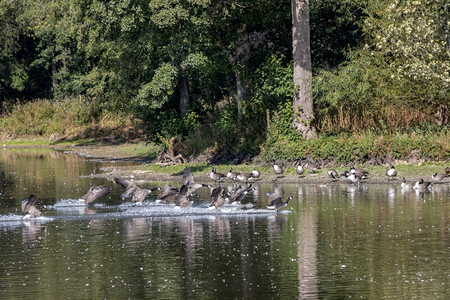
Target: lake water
(333,241)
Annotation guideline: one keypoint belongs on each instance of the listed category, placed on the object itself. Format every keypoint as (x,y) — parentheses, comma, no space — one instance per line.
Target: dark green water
(332,242)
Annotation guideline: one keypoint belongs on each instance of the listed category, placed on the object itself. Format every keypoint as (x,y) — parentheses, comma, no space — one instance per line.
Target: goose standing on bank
(217,198)
(354,178)
(391,173)
(447,170)
(244,177)
(300,170)
(216,177)
(276,201)
(278,170)
(256,174)
(29,207)
(95,192)
(232,175)
(333,174)
(312,167)
(363,174)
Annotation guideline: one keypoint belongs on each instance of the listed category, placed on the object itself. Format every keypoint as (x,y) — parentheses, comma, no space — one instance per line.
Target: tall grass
(69,119)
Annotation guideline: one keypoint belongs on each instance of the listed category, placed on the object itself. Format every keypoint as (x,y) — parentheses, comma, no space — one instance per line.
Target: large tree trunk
(302,102)
(184,94)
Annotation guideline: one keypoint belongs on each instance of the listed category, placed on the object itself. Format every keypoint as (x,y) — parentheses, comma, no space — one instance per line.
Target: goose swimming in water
(422,186)
(95,193)
(29,207)
(407,184)
(276,201)
(437,177)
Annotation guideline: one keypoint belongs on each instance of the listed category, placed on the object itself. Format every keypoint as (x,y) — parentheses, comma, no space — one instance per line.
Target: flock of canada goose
(218,198)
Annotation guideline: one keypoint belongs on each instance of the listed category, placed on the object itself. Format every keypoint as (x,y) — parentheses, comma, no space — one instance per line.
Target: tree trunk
(184,94)
(241,94)
(302,102)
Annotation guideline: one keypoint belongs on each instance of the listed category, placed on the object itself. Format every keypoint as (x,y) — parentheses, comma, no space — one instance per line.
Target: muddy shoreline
(136,171)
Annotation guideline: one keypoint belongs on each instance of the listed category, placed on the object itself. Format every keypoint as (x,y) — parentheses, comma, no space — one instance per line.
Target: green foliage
(346,148)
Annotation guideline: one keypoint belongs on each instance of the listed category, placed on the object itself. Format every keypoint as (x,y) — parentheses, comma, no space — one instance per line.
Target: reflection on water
(333,241)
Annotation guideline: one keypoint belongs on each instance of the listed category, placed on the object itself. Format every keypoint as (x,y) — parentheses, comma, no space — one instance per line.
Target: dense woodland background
(215,76)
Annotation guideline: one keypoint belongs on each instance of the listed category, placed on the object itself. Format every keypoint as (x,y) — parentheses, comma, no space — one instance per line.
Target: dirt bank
(142,168)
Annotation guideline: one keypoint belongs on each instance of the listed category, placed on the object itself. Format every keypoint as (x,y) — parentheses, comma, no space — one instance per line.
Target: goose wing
(96,192)
(274,197)
(28,203)
(124,183)
(167,191)
(188,177)
(182,199)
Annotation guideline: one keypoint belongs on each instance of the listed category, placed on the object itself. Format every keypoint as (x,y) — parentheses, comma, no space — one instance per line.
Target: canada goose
(29,207)
(255,174)
(300,170)
(217,198)
(95,192)
(239,193)
(167,191)
(333,174)
(278,170)
(216,177)
(438,177)
(356,179)
(312,167)
(391,173)
(359,172)
(188,178)
(182,198)
(447,170)
(422,185)
(232,175)
(132,191)
(407,184)
(245,177)
(276,201)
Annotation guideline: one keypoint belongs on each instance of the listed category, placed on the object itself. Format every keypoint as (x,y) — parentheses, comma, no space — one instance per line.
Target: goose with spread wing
(95,192)
(276,201)
(217,198)
(29,207)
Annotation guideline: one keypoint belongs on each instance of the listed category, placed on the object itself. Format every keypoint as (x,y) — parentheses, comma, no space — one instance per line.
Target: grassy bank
(66,120)
(44,122)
